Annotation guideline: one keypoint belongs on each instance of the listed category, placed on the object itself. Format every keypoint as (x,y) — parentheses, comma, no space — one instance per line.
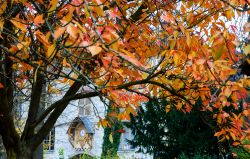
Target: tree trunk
(23,153)
(2,149)
(19,151)
(38,154)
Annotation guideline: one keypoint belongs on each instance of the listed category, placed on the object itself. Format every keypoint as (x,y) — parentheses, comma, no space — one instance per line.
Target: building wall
(64,149)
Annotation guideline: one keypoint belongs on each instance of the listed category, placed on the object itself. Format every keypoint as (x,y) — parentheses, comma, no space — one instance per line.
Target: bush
(241,152)
(197,155)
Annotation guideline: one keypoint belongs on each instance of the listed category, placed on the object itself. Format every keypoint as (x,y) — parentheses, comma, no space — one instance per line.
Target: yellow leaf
(219,119)
(3,6)
(99,11)
(83,30)
(50,52)
(69,15)
(94,50)
(1,24)
(227,92)
(172,44)
(222,139)
(131,110)
(23,1)
(115,46)
(233,136)
(176,58)
(86,12)
(111,137)
(246,50)
(52,5)
(104,123)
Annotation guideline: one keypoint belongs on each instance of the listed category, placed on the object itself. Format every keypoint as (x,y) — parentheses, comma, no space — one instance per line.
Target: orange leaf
(245,112)
(130,57)
(168,108)
(58,32)
(200,61)
(188,39)
(38,20)
(72,30)
(42,38)
(179,106)
(236,143)
(1,85)
(227,92)
(94,50)
(246,27)
(19,25)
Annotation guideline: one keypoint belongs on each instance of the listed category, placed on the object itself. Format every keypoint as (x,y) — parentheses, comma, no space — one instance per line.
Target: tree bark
(22,153)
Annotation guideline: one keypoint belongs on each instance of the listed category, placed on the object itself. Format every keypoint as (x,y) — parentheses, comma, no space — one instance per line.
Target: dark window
(49,141)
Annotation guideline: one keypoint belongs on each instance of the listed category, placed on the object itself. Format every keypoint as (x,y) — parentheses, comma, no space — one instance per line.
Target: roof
(85,121)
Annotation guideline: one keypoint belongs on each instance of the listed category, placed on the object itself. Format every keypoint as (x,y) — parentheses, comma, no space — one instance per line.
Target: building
(76,132)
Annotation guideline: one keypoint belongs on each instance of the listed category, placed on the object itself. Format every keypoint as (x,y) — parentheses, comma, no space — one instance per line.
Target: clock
(82,133)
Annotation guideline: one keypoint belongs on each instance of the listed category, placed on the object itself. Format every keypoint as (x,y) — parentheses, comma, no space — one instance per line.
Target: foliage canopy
(126,51)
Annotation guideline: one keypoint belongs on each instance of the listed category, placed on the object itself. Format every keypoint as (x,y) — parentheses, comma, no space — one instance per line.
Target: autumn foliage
(128,52)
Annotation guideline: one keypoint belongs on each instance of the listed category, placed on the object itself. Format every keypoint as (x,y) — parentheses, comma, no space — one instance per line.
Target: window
(127,135)
(85,108)
(49,141)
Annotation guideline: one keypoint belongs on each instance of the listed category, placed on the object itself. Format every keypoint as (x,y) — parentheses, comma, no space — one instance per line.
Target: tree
(112,134)
(169,134)
(123,51)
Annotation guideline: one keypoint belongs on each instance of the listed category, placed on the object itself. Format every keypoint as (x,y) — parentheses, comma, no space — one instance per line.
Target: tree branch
(61,101)
(49,123)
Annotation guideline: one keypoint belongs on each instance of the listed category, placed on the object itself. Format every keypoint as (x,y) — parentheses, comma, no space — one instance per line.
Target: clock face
(82,132)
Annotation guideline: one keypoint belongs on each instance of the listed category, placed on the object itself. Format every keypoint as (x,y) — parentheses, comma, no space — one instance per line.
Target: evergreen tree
(167,135)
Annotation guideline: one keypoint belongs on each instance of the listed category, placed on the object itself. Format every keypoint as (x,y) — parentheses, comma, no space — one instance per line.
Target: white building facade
(76,132)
